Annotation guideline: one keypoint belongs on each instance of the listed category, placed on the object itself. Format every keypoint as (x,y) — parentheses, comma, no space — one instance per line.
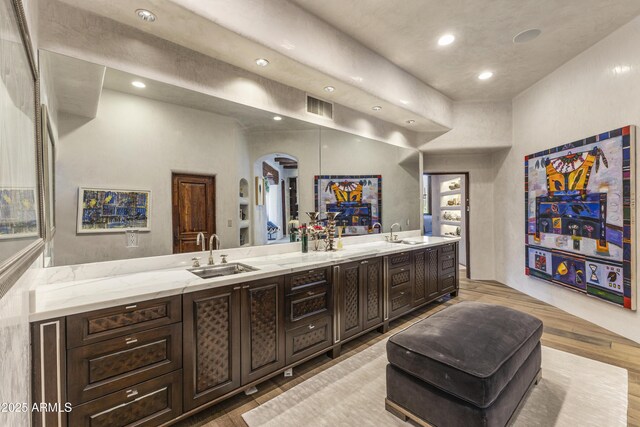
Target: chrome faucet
(200,239)
(391,238)
(377,224)
(213,236)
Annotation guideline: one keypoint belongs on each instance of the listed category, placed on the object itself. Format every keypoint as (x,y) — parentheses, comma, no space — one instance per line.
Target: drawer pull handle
(402,269)
(311,271)
(236,288)
(245,287)
(310,293)
(131,393)
(401,293)
(130,340)
(131,307)
(312,326)
(364,262)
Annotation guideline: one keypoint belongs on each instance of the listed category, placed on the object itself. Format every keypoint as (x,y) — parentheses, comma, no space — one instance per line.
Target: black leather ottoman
(468,365)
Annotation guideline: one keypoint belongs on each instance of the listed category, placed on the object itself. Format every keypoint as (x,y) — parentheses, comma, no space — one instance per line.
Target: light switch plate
(230,223)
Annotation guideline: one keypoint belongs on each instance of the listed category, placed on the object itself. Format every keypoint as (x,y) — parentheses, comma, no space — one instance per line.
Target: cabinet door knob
(312,326)
(364,262)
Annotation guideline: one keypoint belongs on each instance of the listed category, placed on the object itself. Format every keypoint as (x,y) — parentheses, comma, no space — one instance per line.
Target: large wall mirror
(19,189)
(142,167)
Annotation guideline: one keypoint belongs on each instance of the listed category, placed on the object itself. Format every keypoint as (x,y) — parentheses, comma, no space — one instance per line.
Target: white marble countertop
(62,298)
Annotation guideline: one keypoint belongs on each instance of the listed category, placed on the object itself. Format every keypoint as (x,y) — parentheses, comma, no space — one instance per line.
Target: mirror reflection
(145,168)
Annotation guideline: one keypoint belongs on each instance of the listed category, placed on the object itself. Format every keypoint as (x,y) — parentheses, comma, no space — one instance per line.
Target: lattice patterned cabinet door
(373,292)
(262,328)
(350,300)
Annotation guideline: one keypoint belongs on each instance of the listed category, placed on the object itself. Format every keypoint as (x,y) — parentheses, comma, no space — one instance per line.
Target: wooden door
(431,272)
(263,340)
(350,300)
(194,210)
(420,278)
(211,326)
(372,292)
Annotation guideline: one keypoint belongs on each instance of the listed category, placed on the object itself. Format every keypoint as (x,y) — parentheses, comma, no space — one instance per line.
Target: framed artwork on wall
(580,216)
(113,211)
(358,198)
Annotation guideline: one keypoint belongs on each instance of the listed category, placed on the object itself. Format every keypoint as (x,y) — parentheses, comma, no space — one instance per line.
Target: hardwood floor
(561,331)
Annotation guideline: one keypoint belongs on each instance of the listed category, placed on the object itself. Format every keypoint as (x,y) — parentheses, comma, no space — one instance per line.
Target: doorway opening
(446,210)
(193,210)
(280,174)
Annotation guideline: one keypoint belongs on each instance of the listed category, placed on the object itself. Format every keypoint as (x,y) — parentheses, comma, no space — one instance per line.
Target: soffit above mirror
(361,78)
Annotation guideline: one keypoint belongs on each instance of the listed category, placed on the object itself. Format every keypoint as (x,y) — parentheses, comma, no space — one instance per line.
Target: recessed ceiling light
(410,122)
(277,118)
(262,62)
(329,88)
(146,15)
(447,39)
(485,75)
(138,84)
(376,108)
(526,35)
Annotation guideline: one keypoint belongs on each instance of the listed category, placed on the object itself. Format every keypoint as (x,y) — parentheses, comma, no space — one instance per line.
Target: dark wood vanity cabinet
(148,363)
(361,296)
(420,276)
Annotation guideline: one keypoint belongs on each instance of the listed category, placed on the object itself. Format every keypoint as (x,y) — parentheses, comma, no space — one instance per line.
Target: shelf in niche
(244,200)
(451,192)
(457,207)
(452,223)
(244,224)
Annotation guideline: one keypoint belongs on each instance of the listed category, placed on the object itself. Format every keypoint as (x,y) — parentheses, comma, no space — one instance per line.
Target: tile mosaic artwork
(579,216)
(358,198)
(104,211)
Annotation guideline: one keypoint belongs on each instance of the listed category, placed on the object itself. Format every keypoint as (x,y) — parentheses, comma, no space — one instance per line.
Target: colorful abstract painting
(105,211)
(358,198)
(580,216)
(18,213)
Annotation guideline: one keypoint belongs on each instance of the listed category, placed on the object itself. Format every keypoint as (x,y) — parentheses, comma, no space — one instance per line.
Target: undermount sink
(210,271)
(406,242)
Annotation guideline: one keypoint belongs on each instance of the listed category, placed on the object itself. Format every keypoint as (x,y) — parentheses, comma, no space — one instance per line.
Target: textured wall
(477,126)
(595,92)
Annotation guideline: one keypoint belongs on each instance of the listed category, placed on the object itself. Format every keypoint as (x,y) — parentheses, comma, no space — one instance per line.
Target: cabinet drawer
(449,282)
(97,369)
(448,249)
(100,325)
(447,262)
(308,339)
(400,300)
(313,302)
(399,260)
(399,276)
(150,403)
(301,281)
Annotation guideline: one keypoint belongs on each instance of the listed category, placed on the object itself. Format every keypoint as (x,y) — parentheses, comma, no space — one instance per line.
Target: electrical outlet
(230,223)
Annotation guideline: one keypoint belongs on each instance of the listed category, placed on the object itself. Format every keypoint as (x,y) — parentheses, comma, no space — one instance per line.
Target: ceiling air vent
(319,107)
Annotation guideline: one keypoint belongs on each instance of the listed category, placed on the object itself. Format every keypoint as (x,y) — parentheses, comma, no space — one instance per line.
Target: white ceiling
(406,33)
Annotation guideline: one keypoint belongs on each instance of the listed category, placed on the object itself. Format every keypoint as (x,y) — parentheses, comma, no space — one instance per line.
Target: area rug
(574,391)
